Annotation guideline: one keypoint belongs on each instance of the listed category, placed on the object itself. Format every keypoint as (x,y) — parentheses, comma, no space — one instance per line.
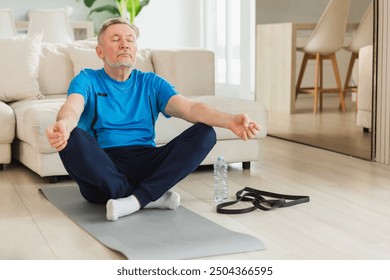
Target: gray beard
(119,64)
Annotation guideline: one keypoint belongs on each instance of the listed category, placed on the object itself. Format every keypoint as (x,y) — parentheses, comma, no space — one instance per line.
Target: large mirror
(282,26)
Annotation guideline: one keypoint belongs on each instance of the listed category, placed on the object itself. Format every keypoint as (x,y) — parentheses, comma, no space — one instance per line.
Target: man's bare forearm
(200,112)
(69,115)
(71,111)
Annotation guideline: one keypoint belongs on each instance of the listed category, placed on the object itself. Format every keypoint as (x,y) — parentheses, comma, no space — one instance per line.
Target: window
(229,30)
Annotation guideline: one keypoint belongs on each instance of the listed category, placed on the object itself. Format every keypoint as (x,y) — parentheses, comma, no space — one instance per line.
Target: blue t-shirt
(121,113)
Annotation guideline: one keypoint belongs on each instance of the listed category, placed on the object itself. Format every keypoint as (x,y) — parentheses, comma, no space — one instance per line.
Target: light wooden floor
(348,216)
(329,129)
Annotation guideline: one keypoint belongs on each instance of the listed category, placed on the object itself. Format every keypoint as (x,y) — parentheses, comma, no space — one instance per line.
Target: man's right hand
(58,135)
(67,119)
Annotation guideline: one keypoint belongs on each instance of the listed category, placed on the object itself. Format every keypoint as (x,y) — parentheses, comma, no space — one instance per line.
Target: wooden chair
(361,38)
(326,39)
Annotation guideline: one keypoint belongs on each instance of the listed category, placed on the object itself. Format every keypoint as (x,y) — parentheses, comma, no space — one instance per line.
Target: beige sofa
(190,70)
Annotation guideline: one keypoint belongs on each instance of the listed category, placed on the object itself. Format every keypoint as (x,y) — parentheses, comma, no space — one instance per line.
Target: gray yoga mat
(152,233)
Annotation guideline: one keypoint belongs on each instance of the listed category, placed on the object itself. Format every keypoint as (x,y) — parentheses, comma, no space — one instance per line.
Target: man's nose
(124,46)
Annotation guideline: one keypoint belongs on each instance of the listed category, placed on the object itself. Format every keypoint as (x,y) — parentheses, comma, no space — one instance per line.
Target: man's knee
(78,140)
(78,136)
(80,143)
(207,135)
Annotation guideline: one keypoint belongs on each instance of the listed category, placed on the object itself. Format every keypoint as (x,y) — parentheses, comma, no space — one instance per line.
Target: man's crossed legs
(127,179)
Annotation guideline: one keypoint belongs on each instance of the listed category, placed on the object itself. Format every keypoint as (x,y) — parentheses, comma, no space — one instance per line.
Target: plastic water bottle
(220,180)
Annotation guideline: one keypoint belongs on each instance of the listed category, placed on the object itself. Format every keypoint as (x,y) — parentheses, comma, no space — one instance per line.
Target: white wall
(170,24)
(163,23)
(301,10)
(21,7)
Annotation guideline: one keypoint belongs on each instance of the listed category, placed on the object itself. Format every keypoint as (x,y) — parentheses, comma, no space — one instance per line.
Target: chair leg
(338,81)
(354,56)
(347,88)
(321,78)
(301,73)
(316,82)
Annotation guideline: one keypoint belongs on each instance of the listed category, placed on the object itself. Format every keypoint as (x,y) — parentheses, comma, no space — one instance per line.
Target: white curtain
(229,30)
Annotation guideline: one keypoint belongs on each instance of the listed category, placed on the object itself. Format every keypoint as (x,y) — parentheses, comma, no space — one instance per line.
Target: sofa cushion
(55,68)
(144,60)
(19,58)
(59,62)
(83,57)
(191,71)
(89,43)
(32,118)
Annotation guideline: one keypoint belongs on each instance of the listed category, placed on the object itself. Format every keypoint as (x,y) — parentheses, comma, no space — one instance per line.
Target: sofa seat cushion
(7,120)
(167,129)
(32,118)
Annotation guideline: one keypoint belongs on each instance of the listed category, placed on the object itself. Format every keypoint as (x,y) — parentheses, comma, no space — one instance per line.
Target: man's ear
(99,51)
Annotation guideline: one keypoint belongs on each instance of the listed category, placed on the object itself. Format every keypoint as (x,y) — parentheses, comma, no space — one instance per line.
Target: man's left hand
(244,127)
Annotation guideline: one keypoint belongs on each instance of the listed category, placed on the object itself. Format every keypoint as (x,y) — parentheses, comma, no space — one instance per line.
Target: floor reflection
(330,129)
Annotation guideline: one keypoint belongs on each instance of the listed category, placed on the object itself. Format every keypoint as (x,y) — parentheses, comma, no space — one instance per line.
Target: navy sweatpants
(146,172)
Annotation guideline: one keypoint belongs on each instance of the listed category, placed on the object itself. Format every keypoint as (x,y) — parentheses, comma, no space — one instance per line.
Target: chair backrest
(328,35)
(7,23)
(363,34)
(54,23)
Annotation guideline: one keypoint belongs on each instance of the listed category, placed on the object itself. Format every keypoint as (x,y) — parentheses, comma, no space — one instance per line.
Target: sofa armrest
(7,133)
(8,123)
(191,71)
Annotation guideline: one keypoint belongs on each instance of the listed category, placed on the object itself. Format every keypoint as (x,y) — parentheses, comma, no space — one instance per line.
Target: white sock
(169,200)
(116,208)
